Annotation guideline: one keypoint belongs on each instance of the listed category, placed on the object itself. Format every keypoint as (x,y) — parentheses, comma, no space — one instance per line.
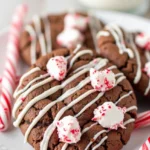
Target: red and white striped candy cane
(146,145)
(8,83)
(143,120)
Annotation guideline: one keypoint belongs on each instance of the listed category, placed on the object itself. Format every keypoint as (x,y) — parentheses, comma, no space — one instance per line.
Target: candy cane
(9,78)
(143,120)
(146,145)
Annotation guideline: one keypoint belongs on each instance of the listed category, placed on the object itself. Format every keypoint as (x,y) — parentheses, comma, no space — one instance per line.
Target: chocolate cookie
(86,103)
(44,34)
(119,47)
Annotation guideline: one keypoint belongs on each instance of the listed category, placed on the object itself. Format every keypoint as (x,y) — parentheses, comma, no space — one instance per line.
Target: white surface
(13,139)
(113,4)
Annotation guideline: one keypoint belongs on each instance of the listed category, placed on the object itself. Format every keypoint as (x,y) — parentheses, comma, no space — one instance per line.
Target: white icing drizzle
(47,34)
(32,33)
(88,128)
(100,143)
(46,44)
(147,54)
(95,27)
(23,77)
(131,108)
(79,54)
(29,84)
(124,96)
(19,100)
(117,34)
(95,137)
(37,24)
(129,121)
(147,89)
(52,127)
(102,33)
(137,55)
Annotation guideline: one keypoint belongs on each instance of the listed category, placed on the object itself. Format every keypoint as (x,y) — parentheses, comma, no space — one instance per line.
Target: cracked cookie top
(130,57)
(42,101)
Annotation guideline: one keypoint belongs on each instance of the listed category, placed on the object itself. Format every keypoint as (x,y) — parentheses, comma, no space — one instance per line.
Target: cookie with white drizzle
(41,101)
(41,36)
(120,47)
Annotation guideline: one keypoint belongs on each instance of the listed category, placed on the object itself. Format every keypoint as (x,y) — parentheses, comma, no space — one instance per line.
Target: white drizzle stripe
(80,53)
(61,98)
(19,101)
(100,143)
(90,104)
(30,83)
(95,27)
(147,89)
(52,127)
(117,34)
(137,55)
(119,74)
(91,65)
(124,96)
(147,54)
(95,137)
(131,108)
(32,33)
(24,76)
(77,48)
(37,24)
(88,128)
(129,121)
(48,34)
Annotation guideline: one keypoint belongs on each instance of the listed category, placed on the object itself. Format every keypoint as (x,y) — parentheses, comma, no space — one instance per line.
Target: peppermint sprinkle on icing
(102,80)
(143,41)
(69,130)
(76,21)
(57,67)
(70,38)
(109,116)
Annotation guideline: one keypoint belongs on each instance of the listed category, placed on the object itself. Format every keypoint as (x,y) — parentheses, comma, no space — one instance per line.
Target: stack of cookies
(77,94)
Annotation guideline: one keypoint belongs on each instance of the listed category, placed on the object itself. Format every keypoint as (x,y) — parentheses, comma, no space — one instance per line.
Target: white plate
(13,139)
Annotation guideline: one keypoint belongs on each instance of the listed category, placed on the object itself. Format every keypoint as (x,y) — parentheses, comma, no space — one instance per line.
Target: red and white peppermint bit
(146,145)
(109,116)
(147,68)
(70,38)
(9,79)
(143,41)
(76,21)
(102,80)
(143,120)
(69,130)
(57,67)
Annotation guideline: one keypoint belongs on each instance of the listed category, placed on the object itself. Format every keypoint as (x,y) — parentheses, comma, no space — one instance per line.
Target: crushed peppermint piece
(70,38)
(147,68)
(109,116)
(69,130)
(102,80)
(76,21)
(57,67)
(143,41)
